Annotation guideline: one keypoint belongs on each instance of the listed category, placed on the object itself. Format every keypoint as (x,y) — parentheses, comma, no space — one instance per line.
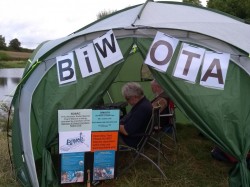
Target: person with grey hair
(163,101)
(136,120)
(161,98)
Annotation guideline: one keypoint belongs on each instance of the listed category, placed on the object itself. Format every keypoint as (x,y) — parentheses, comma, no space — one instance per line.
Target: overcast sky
(33,21)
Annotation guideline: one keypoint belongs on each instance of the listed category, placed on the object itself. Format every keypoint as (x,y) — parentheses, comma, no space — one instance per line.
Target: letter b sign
(66,69)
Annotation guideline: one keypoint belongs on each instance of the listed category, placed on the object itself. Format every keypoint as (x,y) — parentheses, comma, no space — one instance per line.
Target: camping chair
(170,130)
(139,149)
(165,133)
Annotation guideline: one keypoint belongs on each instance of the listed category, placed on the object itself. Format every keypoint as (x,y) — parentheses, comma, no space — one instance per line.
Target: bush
(4,57)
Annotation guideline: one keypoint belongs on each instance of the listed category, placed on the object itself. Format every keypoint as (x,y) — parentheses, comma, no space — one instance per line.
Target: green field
(10,59)
(12,64)
(13,55)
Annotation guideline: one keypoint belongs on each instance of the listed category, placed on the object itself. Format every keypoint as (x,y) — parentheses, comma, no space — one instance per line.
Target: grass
(15,55)
(11,59)
(191,165)
(12,64)
(6,175)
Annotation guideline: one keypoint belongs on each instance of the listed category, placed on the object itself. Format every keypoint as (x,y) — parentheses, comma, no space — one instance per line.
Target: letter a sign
(161,51)
(214,70)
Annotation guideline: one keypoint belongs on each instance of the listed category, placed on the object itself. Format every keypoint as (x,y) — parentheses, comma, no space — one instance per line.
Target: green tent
(220,112)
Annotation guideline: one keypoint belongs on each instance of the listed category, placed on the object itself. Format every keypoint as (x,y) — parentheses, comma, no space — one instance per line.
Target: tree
(238,8)
(2,43)
(15,44)
(104,13)
(195,2)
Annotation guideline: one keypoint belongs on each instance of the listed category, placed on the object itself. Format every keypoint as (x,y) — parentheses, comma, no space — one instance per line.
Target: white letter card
(189,62)
(161,51)
(87,60)
(108,49)
(214,70)
(66,68)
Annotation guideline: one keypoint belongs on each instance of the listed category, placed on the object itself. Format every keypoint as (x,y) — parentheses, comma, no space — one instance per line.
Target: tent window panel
(146,73)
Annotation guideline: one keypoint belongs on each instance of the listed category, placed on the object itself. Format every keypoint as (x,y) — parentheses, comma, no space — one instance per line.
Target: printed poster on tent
(104,165)
(74,141)
(74,120)
(105,120)
(72,168)
(104,141)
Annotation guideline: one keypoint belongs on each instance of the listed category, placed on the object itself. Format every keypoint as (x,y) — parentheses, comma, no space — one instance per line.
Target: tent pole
(139,15)
(110,97)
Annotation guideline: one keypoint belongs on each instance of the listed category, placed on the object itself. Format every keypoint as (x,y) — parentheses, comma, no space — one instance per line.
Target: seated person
(161,100)
(137,119)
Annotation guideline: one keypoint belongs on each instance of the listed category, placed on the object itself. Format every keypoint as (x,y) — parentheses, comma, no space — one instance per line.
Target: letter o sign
(168,54)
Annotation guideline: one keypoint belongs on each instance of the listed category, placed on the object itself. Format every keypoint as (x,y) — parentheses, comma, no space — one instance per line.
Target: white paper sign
(108,49)
(189,62)
(66,68)
(214,70)
(74,141)
(87,60)
(161,51)
(74,120)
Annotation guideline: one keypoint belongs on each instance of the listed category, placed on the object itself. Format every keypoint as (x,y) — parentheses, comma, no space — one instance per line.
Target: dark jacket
(136,121)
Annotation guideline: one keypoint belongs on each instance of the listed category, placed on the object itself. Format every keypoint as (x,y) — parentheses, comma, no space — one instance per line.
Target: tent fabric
(39,96)
(177,17)
(196,21)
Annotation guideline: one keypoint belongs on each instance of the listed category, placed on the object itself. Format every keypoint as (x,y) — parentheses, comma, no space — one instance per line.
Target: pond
(9,79)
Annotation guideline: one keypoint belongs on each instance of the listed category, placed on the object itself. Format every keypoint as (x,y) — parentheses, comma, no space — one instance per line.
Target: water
(9,79)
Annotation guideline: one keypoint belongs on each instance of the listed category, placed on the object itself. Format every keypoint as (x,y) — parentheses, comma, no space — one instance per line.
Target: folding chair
(170,129)
(165,133)
(139,150)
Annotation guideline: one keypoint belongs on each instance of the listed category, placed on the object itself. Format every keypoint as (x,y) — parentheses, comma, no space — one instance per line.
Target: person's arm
(160,102)
(122,130)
